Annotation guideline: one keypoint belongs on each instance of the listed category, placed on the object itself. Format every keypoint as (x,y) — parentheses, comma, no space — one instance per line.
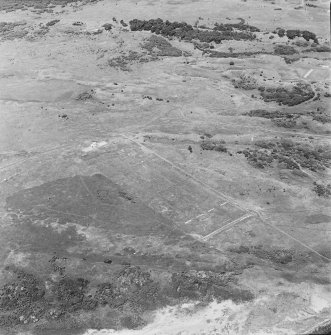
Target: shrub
(307,35)
(322,117)
(216,146)
(123,23)
(285,123)
(321,190)
(107,26)
(291,34)
(317,48)
(281,32)
(52,23)
(267,114)
(284,50)
(239,26)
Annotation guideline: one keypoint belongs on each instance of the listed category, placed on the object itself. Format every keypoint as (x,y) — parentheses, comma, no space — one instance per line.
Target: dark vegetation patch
(207,285)
(263,113)
(295,95)
(318,48)
(40,5)
(131,287)
(27,299)
(202,46)
(107,26)
(123,23)
(242,26)
(70,295)
(322,190)
(213,145)
(288,119)
(322,116)
(301,44)
(279,118)
(258,158)
(293,33)
(281,49)
(88,95)
(291,58)
(22,300)
(52,23)
(187,32)
(128,291)
(161,47)
(311,5)
(275,255)
(324,329)
(284,122)
(132,57)
(64,116)
(245,82)
(12,30)
(220,54)
(49,299)
(126,196)
(288,154)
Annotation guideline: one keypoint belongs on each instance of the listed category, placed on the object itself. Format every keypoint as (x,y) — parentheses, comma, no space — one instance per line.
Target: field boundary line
(219,230)
(250,212)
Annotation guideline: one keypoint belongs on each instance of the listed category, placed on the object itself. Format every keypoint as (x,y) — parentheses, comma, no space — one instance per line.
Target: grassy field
(160,172)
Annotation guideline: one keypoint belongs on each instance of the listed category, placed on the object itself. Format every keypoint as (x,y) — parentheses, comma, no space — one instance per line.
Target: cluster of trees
(292,33)
(185,31)
(290,97)
(290,154)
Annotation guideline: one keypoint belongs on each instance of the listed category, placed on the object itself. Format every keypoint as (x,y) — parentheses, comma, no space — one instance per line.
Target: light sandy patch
(191,319)
(94,146)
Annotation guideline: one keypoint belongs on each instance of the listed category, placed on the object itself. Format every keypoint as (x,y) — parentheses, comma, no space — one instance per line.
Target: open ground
(164,167)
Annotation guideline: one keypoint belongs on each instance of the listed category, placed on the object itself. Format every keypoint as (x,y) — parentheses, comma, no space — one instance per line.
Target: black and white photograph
(165,167)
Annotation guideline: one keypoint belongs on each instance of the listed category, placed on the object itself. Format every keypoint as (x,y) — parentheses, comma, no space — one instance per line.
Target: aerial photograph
(165,167)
